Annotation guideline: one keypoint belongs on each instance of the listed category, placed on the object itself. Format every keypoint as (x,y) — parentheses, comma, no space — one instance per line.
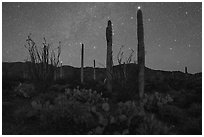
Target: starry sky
(172,31)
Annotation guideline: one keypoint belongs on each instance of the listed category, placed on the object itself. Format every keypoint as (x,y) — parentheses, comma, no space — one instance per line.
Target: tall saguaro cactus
(141,53)
(82,63)
(94,71)
(109,61)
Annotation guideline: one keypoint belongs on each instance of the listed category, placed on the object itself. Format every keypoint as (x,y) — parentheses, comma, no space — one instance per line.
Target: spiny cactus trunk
(109,61)
(141,53)
(186,70)
(82,64)
(94,76)
(186,73)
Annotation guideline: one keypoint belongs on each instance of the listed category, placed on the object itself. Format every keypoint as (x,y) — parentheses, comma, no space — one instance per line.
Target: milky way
(173,32)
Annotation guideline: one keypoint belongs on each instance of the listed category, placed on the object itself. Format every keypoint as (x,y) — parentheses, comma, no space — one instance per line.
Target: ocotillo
(109,61)
(141,53)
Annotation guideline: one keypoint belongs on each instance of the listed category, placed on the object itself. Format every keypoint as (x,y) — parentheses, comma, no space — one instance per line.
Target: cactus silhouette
(186,70)
(82,63)
(109,61)
(141,53)
(94,71)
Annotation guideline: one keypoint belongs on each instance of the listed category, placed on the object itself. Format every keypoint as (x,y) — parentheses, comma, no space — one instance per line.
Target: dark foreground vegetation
(172,103)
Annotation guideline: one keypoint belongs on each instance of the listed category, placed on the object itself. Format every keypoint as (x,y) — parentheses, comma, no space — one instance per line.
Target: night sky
(173,32)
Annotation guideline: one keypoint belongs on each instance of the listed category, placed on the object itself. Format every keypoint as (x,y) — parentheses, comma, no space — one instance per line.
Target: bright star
(138,7)
(149,19)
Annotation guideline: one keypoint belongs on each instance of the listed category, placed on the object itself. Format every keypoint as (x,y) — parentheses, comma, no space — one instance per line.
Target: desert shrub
(171,114)
(190,126)
(152,102)
(81,111)
(195,110)
(183,121)
(68,115)
(151,126)
(124,92)
(130,118)
(184,98)
(73,112)
(158,85)
(25,90)
(9,84)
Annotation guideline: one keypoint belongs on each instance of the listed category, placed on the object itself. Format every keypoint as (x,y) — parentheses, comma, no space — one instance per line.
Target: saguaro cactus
(109,61)
(186,70)
(82,63)
(94,71)
(141,53)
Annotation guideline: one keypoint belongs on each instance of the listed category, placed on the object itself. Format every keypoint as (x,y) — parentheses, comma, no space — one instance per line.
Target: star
(131,18)
(186,12)
(171,48)
(149,19)
(138,7)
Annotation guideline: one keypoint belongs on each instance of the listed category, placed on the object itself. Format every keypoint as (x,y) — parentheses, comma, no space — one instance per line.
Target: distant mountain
(18,69)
